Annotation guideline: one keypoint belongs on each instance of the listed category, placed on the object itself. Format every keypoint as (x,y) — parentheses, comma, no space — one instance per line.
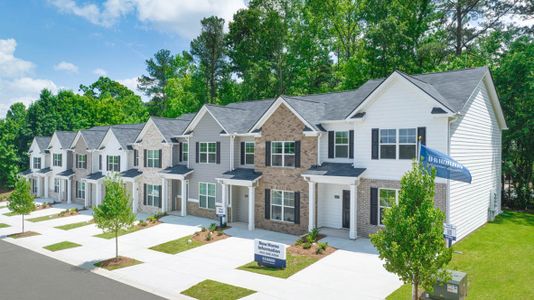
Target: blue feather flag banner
(445,166)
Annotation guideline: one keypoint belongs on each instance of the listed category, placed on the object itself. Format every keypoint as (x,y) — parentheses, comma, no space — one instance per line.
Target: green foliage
(21,200)
(411,242)
(213,227)
(115,212)
(321,247)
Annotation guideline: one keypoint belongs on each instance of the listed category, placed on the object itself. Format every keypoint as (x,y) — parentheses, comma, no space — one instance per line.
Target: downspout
(232,138)
(448,195)
(319,148)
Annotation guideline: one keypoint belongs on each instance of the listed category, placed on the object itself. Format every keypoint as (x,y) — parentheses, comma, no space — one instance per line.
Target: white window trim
(114,163)
(281,205)
(410,144)
(250,153)
(151,160)
(150,196)
(84,165)
(347,144)
(185,152)
(207,152)
(379,206)
(207,195)
(80,193)
(283,154)
(33,162)
(57,185)
(54,159)
(396,144)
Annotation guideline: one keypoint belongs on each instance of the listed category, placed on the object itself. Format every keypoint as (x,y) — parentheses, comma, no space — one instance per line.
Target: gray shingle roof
(171,127)
(335,169)
(65,138)
(26,172)
(43,142)
(45,170)
(239,117)
(178,170)
(242,174)
(94,176)
(132,173)
(126,134)
(93,137)
(66,173)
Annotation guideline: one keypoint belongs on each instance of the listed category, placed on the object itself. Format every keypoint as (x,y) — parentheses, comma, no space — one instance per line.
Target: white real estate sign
(270,254)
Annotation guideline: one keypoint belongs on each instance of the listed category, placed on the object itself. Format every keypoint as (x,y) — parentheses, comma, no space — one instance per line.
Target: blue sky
(60,44)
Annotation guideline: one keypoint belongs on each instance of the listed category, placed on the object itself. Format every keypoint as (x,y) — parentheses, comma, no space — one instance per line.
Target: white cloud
(178,16)
(131,83)
(67,67)
(16,84)
(100,72)
(10,66)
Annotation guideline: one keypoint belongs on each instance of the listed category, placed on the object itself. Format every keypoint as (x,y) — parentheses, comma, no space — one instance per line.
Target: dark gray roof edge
(408,77)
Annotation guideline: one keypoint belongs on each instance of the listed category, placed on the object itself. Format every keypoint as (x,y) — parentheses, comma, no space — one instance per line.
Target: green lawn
(10,214)
(23,234)
(178,245)
(497,258)
(3,225)
(214,290)
(74,225)
(62,246)
(46,218)
(111,235)
(295,263)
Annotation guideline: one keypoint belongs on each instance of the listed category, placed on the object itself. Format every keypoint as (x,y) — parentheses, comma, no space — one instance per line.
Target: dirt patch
(117,263)
(312,251)
(207,236)
(41,206)
(148,223)
(68,213)
(23,234)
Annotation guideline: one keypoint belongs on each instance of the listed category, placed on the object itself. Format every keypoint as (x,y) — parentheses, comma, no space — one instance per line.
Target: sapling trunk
(22,215)
(116,244)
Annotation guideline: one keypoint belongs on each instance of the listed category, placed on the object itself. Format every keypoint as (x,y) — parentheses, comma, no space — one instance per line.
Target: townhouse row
(292,164)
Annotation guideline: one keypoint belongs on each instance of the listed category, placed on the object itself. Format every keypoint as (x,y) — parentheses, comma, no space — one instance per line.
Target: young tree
(411,242)
(115,212)
(21,200)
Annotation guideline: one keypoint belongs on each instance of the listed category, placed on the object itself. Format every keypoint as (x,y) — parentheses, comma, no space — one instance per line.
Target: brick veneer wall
(283,125)
(364,201)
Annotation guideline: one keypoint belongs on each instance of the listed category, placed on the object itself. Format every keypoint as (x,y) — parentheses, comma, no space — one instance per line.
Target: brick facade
(81,149)
(364,202)
(283,125)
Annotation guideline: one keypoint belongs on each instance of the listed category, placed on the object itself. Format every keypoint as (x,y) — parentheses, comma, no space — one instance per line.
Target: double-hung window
(57,160)
(249,153)
(37,163)
(136,158)
(185,151)
(152,197)
(407,143)
(208,153)
(206,195)
(81,161)
(283,154)
(152,159)
(113,163)
(56,185)
(341,145)
(34,186)
(80,192)
(388,143)
(283,206)
(387,197)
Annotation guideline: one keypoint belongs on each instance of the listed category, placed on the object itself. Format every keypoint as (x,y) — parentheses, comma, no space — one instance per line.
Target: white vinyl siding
(475,143)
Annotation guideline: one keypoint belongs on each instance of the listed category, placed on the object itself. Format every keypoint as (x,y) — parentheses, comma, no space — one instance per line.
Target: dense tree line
(296,47)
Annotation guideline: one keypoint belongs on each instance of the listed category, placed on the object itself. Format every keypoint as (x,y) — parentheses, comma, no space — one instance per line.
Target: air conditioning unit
(493,208)
(454,289)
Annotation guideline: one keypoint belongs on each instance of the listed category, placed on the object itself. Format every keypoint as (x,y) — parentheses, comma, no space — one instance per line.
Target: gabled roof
(169,127)
(126,134)
(92,137)
(42,142)
(65,138)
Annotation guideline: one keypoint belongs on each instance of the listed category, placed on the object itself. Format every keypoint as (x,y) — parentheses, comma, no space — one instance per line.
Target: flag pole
(418,155)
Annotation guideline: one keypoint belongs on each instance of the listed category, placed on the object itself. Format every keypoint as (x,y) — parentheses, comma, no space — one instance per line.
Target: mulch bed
(23,234)
(68,213)
(312,252)
(202,236)
(117,263)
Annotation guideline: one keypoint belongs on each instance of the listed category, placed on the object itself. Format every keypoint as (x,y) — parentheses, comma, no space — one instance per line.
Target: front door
(346,209)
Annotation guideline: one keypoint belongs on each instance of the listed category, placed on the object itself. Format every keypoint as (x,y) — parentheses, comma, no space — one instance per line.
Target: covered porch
(174,185)
(130,179)
(238,194)
(39,181)
(94,189)
(65,185)
(333,198)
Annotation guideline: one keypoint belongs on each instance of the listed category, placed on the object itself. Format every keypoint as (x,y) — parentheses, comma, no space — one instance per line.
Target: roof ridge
(224,106)
(451,71)
(410,76)
(306,100)
(256,100)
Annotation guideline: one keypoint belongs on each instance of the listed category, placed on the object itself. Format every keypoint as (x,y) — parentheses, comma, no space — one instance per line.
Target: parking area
(354,271)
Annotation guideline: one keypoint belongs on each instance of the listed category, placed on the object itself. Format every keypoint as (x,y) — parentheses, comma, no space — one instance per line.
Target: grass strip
(179,245)
(294,263)
(75,225)
(117,263)
(3,225)
(214,290)
(61,246)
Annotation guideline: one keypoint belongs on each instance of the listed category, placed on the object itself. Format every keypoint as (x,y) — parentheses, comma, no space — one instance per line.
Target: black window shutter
(267,204)
(331,140)
(100,162)
(119,163)
(242,153)
(160,198)
(351,143)
(374,206)
(144,194)
(374,143)
(136,155)
(76,160)
(218,152)
(268,153)
(297,208)
(421,132)
(197,149)
(107,163)
(297,154)
(76,189)
(180,151)
(160,158)
(144,157)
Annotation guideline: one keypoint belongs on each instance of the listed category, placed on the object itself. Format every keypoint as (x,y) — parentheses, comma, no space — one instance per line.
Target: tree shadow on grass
(515,217)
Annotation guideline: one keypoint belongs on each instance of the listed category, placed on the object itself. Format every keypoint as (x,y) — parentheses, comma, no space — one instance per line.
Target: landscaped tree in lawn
(411,243)
(21,200)
(115,212)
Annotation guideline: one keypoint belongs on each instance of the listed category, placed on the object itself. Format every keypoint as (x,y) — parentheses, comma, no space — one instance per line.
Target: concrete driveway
(352,272)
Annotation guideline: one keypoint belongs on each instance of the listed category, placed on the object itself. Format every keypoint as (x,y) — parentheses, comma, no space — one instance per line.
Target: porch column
(353,212)
(69,193)
(183,188)
(61,184)
(251,202)
(224,200)
(163,194)
(98,193)
(311,205)
(46,186)
(86,195)
(135,195)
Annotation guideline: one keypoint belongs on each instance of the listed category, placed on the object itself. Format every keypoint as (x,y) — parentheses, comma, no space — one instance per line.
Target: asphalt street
(28,275)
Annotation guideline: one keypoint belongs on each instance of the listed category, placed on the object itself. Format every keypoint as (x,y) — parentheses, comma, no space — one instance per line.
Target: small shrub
(314,234)
(306,245)
(74,210)
(209,237)
(309,239)
(152,219)
(142,223)
(203,229)
(220,232)
(321,247)
(213,227)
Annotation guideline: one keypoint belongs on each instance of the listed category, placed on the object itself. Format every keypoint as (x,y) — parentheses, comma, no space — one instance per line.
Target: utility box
(454,289)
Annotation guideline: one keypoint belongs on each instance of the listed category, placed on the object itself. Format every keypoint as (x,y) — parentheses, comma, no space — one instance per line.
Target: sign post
(221,212)
(449,233)
(270,254)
